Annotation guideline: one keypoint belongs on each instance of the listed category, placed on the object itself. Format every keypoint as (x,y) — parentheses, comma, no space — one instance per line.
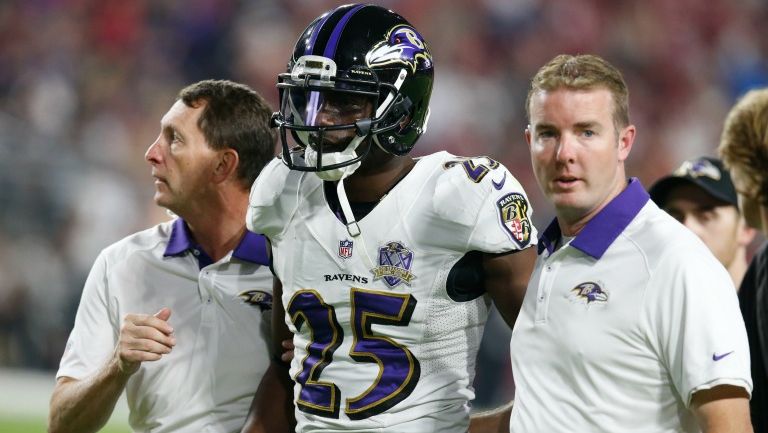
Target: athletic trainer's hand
(143,337)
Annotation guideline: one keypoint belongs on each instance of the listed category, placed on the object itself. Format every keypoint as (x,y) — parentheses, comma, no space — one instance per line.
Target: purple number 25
(399,370)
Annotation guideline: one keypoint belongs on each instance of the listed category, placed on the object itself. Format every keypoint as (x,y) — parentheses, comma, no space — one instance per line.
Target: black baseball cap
(707,173)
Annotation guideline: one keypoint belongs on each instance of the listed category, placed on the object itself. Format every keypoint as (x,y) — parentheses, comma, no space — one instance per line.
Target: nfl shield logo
(345,249)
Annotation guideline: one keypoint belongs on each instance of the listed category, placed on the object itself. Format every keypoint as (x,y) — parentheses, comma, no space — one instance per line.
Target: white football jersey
(380,343)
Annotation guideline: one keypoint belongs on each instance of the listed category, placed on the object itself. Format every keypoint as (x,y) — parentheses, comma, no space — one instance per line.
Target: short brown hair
(237,117)
(744,142)
(583,72)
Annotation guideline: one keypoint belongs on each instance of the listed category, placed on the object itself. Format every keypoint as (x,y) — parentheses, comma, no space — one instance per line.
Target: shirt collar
(600,232)
(180,240)
(252,248)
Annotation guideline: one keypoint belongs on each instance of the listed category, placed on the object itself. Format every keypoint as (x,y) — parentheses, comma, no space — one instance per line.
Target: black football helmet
(374,68)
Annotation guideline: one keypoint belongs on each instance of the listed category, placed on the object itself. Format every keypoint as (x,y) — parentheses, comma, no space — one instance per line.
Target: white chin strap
(352,227)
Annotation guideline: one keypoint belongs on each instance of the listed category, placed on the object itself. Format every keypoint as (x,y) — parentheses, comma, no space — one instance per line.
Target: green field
(25,409)
(36,425)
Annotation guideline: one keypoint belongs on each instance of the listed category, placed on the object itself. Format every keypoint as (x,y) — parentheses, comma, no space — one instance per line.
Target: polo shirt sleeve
(696,323)
(93,338)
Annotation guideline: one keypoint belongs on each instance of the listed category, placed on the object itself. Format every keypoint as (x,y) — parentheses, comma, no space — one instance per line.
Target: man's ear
(527,134)
(226,165)
(745,233)
(626,139)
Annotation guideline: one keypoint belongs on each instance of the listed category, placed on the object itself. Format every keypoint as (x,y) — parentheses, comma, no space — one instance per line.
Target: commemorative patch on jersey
(395,262)
(345,249)
(589,293)
(257,298)
(513,214)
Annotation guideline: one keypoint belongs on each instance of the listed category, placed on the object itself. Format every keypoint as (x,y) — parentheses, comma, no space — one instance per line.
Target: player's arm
(722,409)
(85,405)
(493,421)
(506,278)
(272,406)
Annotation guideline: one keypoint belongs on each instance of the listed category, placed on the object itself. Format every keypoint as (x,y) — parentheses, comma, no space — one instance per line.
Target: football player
(386,263)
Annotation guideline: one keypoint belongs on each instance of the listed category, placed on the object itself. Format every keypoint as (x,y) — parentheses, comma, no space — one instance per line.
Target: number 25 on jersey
(398,368)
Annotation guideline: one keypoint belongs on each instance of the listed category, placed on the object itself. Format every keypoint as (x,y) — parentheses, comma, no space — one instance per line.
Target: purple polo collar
(600,232)
(252,248)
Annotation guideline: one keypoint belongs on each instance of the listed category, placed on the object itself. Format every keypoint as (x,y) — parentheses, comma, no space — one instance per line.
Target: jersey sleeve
(272,199)
(697,324)
(488,202)
(94,336)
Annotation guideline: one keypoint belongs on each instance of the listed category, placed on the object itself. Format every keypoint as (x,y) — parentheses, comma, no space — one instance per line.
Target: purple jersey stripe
(330,48)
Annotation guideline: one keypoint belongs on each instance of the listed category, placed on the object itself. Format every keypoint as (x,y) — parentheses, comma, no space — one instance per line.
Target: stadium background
(83,84)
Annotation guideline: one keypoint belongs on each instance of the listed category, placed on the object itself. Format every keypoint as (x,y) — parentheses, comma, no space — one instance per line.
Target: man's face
(337,108)
(181,159)
(576,152)
(716,222)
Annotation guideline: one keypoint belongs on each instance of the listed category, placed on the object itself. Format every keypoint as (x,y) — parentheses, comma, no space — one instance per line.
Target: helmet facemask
(329,117)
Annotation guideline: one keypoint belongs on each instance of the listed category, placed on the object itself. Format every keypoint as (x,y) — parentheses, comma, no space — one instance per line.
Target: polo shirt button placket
(209,296)
(545,282)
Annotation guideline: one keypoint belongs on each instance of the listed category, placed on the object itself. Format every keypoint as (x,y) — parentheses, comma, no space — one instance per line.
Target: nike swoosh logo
(499,185)
(716,357)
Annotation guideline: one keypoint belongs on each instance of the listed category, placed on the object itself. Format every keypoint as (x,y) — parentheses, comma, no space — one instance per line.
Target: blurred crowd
(83,84)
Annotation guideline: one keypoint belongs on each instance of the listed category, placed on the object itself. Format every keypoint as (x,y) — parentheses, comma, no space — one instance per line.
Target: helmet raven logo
(404,45)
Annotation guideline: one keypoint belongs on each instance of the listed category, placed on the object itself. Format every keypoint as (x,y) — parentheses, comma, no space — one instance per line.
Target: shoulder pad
(482,195)
(467,182)
(273,198)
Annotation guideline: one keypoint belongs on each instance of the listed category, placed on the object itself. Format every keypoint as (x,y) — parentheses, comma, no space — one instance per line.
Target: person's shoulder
(656,230)
(476,195)
(274,196)
(145,240)
(272,179)
(470,181)
(475,175)
(667,244)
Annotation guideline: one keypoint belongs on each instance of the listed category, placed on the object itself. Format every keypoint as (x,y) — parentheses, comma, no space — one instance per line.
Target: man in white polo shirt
(629,323)
(178,315)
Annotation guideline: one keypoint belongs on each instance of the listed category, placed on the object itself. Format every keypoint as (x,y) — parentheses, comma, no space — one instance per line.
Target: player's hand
(287,355)
(143,337)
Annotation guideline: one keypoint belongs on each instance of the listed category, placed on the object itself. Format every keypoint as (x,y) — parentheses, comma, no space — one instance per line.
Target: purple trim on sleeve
(600,232)
(333,41)
(253,248)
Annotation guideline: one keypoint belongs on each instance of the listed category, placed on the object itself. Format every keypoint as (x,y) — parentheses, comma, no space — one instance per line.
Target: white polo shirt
(620,327)
(220,315)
